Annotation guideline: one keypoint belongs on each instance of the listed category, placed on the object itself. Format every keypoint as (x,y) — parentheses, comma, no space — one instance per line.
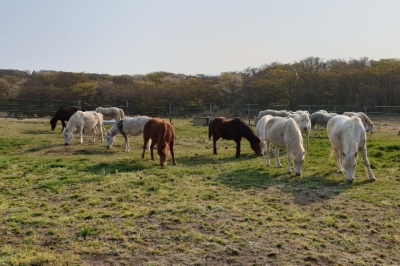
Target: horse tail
(121,113)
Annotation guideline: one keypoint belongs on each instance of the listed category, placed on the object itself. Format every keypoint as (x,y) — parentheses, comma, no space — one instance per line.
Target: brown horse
(64,114)
(233,129)
(161,133)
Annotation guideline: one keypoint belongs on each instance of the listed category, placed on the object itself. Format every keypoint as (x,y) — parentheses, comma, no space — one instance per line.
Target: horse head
(67,136)
(298,160)
(349,164)
(53,123)
(256,146)
(109,140)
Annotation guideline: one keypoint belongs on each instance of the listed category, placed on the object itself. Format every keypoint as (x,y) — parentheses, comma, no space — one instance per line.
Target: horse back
(229,129)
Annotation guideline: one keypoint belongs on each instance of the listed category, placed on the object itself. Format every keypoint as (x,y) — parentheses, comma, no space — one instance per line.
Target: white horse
(347,137)
(368,125)
(303,120)
(111,113)
(89,120)
(260,130)
(280,113)
(132,126)
(285,133)
(318,119)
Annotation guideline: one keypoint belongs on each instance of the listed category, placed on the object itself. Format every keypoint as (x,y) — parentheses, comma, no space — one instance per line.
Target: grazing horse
(128,126)
(347,137)
(320,119)
(89,120)
(285,133)
(111,113)
(63,114)
(280,113)
(161,133)
(303,120)
(368,125)
(260,130)
(233,129)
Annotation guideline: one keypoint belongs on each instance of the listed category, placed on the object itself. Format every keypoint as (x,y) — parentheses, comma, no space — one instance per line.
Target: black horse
(63,114)
(233,129)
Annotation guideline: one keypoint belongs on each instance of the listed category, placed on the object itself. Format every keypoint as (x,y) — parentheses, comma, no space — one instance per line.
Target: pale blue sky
(191,37)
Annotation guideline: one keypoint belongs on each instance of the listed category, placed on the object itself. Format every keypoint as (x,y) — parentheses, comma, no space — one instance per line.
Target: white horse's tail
(121,113)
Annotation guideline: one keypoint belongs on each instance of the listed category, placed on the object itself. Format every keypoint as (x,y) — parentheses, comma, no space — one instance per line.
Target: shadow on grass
(119,166)
(306,189)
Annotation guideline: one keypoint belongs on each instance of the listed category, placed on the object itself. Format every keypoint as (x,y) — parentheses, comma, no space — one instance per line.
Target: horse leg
(94,134)
(215,138)
(289,155)
(63,125)
(171,148)
(152,150)
(277,161)
(80,129)
(237,148)
(145,140)
(101,129)
(339,157)
(127,148)
(268,162)
(367,165)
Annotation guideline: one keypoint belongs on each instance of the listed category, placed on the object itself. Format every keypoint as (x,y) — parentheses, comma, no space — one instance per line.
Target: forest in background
(312,81)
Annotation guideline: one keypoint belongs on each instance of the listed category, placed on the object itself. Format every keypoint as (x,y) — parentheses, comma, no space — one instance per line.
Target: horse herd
(280,129)
(154,130)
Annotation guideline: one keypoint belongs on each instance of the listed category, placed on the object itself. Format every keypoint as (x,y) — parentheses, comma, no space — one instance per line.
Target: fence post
(170,119)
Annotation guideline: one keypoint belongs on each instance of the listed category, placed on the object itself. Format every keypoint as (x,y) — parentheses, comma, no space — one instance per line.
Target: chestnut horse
(161,133)
(64,114)
(233,129)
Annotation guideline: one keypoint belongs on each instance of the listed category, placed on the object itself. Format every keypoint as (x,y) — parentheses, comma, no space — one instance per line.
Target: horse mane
(366,118)
(72,120)
(350,138)
(248,133)
(294,132)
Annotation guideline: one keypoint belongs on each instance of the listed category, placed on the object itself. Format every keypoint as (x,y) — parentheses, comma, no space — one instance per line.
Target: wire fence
(21,108)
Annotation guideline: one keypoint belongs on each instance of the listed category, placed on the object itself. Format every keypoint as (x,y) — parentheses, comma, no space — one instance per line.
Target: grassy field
(88,205)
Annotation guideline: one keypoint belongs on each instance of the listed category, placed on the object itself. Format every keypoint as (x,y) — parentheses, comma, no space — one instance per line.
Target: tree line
(312,81)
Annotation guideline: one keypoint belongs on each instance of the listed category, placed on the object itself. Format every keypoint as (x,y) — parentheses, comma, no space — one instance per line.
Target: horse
(233,129)
(111,113)
(347,137)
(260,130)
(285,133)
(303,120)
(161,133)
(280,113)
(89,120)
(127,126)
(320,119)
(63,114)
(368,125)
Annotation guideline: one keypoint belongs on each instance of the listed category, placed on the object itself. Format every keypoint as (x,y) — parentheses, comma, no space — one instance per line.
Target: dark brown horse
(63,114)
(233,129)
(161,133)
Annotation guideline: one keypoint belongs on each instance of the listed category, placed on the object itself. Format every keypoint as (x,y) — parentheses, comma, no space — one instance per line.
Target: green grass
(88,205)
